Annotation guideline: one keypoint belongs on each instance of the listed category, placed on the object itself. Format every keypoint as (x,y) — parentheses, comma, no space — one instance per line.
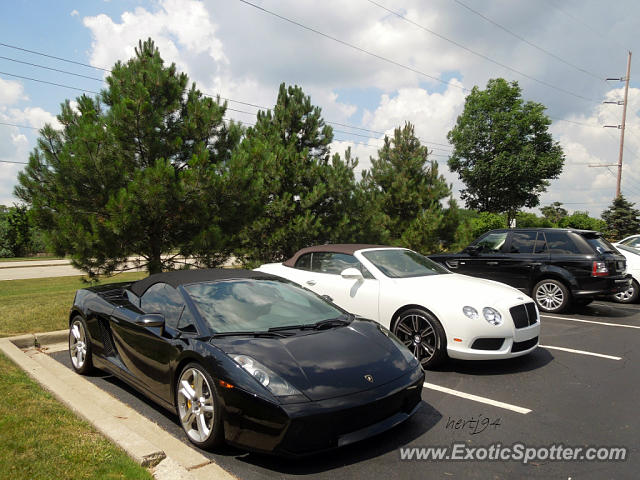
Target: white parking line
(477,398)
(582,352)
(591,321)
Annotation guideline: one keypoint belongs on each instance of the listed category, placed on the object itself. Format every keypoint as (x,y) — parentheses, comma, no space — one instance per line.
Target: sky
(371,65)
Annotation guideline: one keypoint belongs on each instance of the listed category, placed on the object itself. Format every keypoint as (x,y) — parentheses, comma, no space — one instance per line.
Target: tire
(80,346)
(628,296)
(198,407)
(423,335)
(551,296)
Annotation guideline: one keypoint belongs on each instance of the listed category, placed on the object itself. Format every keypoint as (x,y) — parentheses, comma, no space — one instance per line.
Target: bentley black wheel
(423,335)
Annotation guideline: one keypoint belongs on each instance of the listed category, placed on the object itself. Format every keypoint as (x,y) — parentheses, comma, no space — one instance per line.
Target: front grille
(324,430)
(524,315)
(487,344)
(526,345)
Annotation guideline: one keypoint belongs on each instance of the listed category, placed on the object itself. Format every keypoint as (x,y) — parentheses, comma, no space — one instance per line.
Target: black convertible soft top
(184,277)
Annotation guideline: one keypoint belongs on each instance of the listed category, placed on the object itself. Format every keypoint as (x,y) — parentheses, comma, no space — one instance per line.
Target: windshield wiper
(264,334)
(322,324)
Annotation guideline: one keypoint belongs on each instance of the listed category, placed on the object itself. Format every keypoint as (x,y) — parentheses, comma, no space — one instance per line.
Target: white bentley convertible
(434,312)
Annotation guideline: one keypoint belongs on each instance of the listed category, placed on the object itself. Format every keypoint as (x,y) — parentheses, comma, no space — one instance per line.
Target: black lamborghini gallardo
(247,358)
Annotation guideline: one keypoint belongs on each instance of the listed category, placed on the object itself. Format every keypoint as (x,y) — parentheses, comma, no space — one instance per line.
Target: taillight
(599,269)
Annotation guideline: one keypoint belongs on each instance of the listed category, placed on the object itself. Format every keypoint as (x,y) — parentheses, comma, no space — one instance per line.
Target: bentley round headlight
(470,312)
(492,316)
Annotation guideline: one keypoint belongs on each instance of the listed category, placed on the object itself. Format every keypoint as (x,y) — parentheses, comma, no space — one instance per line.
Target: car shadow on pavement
(532,361)
(607,310)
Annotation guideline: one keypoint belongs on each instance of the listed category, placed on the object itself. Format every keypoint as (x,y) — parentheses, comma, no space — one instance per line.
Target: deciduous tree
(503,151)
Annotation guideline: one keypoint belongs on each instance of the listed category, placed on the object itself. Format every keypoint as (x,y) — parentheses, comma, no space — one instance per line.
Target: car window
(187,322)
(522,242)
(632,242)
(164,299)
(304,262)
(492,242)
(336,263)
(600,245)
(403,263)
(541,244)
(257,305)
(561,242)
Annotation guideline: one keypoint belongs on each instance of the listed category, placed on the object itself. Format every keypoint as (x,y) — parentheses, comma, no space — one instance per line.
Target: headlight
(492,316)
(470,312)
(272,382)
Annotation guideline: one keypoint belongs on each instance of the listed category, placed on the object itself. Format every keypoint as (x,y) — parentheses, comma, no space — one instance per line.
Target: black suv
(556,266)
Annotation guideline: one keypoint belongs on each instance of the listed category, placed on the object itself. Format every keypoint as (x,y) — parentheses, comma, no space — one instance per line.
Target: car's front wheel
(423,335)
(551,295)
(198,407)
(80,346)
(630,295)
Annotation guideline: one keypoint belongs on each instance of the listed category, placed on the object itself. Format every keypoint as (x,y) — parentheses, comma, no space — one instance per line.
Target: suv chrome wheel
(628,296)
(551,295)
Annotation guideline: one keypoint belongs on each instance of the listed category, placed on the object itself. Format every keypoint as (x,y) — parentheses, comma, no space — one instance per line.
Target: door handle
(492,263)
(311,282)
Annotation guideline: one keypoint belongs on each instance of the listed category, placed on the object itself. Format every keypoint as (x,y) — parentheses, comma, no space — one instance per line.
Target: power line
(519,37)
(203,93)
(581,22)
(10,161)
(49,83)
(355,47)
(49,68)
(52,56)
(459,45)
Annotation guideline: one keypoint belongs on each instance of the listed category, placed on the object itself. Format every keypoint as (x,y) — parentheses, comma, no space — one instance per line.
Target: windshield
(257,305)
(403,263)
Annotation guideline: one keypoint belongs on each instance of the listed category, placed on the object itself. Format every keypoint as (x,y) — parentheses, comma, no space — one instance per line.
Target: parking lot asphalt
(580,390)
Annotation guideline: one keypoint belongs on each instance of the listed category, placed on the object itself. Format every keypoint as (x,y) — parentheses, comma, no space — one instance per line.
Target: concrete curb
(143,440)
(39,339)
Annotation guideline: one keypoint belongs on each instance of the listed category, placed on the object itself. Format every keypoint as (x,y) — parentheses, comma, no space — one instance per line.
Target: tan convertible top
(347,248)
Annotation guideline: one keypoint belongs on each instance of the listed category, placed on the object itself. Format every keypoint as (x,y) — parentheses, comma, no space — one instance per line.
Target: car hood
(327,363)
(459,288)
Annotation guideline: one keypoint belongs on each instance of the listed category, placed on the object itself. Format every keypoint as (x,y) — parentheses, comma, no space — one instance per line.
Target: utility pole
(624,119)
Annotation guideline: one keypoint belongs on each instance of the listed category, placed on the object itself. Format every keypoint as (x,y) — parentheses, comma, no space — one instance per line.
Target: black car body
(345,378)
(555,266)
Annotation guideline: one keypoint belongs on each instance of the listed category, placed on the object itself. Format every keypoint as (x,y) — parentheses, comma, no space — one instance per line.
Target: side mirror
(150,320)
(351,274)
(473,249)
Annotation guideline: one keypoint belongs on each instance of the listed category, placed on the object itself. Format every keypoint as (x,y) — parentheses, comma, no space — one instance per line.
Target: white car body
(633,260)
(444,295)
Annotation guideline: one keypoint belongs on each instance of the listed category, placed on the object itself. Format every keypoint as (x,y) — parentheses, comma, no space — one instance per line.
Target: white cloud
(11,92)
(181,30)
(74,13)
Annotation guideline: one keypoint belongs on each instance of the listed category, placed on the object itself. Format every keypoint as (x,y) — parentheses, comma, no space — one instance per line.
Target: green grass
(42,304)
(41,439)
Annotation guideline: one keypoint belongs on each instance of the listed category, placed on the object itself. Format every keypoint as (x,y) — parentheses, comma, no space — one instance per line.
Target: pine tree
(406,189)
(294,193)
(621,218)
(134,171)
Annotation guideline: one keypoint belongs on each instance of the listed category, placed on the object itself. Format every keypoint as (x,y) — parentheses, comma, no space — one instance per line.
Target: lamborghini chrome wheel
(79,346)
(197,406)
